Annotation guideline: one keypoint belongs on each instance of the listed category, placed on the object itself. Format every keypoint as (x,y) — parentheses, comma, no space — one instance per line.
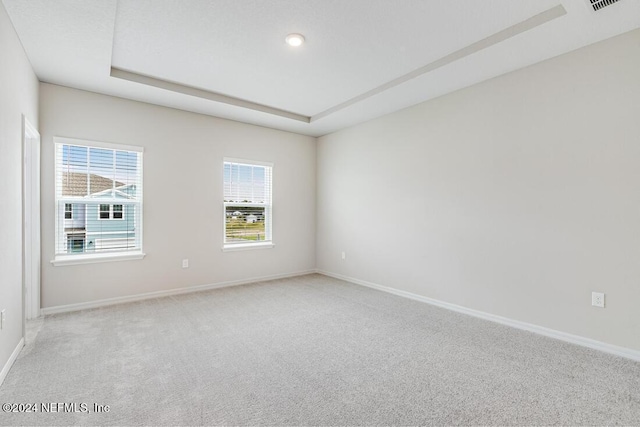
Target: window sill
(91,259)
(247,246)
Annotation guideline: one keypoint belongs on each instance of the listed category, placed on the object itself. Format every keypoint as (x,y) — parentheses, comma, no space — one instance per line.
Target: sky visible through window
(120,166)
(245,183)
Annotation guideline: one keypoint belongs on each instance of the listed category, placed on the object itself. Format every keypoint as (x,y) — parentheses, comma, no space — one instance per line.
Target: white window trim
(231,247)
(247,162)
(96,144)
(100,211)
(113,211)
(63,259)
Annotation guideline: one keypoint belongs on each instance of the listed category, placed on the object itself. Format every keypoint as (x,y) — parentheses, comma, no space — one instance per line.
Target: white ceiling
(236,48)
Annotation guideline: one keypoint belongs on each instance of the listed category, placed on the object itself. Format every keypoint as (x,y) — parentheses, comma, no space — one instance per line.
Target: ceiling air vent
(600,4)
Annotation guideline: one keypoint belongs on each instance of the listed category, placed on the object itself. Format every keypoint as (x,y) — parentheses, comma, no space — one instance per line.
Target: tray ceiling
(361,59)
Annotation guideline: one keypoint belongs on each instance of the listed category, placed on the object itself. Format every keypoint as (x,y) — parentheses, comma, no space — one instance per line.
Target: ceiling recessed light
(294,40)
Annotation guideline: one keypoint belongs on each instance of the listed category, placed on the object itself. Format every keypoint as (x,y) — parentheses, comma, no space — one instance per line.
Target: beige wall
(183,216)
(518,196)
(18,97)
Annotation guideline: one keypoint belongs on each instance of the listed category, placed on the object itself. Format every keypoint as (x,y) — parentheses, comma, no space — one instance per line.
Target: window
(111,212)
(99,201)
(105,212)
(75,244)
(116,211)
(247,204)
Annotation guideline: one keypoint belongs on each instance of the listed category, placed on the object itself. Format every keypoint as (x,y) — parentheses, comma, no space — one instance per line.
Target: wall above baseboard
(160,294)
(541,330)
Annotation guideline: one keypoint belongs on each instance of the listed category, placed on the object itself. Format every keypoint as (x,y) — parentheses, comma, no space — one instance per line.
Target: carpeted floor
(310,350)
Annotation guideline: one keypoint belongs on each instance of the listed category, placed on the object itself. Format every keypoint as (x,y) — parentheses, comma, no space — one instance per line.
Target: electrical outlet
(185,263)
(344,255)
(597,299)
(2,319)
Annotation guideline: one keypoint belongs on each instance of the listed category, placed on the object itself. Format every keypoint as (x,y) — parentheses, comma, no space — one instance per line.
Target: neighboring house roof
(75,184)
(121,192)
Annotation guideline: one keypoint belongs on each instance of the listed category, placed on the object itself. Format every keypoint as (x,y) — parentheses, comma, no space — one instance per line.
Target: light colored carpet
(311,351)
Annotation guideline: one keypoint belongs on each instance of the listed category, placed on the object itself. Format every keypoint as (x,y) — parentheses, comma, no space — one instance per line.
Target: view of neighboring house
(90,225)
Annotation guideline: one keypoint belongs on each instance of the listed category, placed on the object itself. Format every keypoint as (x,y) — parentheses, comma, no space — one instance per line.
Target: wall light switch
(344,256)
(2,319)
(185,263)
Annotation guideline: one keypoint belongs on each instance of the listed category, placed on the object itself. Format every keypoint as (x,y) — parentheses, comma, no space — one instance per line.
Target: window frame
(111,212)
(62,259)
(100,212)
(70,211)
(121,212)
(268,215)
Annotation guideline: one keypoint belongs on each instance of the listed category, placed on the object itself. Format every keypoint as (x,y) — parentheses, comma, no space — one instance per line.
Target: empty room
(320,212)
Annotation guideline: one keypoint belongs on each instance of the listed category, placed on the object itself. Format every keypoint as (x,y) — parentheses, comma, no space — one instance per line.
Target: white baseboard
(12,358)
(159,294)
(541,330)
